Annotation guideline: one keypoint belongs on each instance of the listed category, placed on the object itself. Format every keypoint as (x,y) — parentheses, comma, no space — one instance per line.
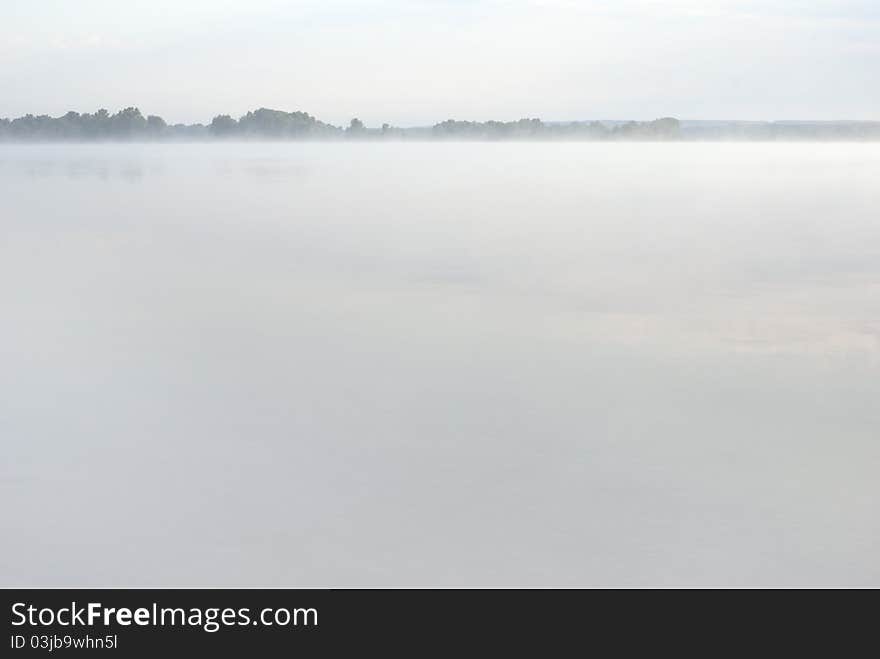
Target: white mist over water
(440,364)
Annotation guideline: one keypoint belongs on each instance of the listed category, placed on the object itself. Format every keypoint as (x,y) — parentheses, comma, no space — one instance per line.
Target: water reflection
(100,168)
(449,364)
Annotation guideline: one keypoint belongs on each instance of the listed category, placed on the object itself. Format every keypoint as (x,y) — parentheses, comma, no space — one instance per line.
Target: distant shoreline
(419,140)
(130,125)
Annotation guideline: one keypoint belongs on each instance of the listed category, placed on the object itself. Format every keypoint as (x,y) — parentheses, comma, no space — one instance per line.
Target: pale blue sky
(420,61)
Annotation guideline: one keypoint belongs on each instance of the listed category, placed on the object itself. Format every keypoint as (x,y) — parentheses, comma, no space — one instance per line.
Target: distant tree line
(265,123)
(127,124)
(130,124)
(659,129)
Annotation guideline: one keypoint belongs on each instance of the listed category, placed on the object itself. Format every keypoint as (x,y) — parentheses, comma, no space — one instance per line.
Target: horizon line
(12,117)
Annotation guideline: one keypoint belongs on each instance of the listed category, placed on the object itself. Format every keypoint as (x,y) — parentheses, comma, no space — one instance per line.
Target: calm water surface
(440,364)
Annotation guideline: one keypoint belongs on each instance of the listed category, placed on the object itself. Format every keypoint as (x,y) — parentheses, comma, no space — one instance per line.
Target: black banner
(153,622)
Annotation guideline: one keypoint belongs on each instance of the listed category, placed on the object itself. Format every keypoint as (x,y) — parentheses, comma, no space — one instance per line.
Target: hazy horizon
(130,124)
(508,117)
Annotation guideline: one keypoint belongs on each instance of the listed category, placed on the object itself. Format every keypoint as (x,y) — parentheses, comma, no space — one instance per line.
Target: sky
(415,62)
